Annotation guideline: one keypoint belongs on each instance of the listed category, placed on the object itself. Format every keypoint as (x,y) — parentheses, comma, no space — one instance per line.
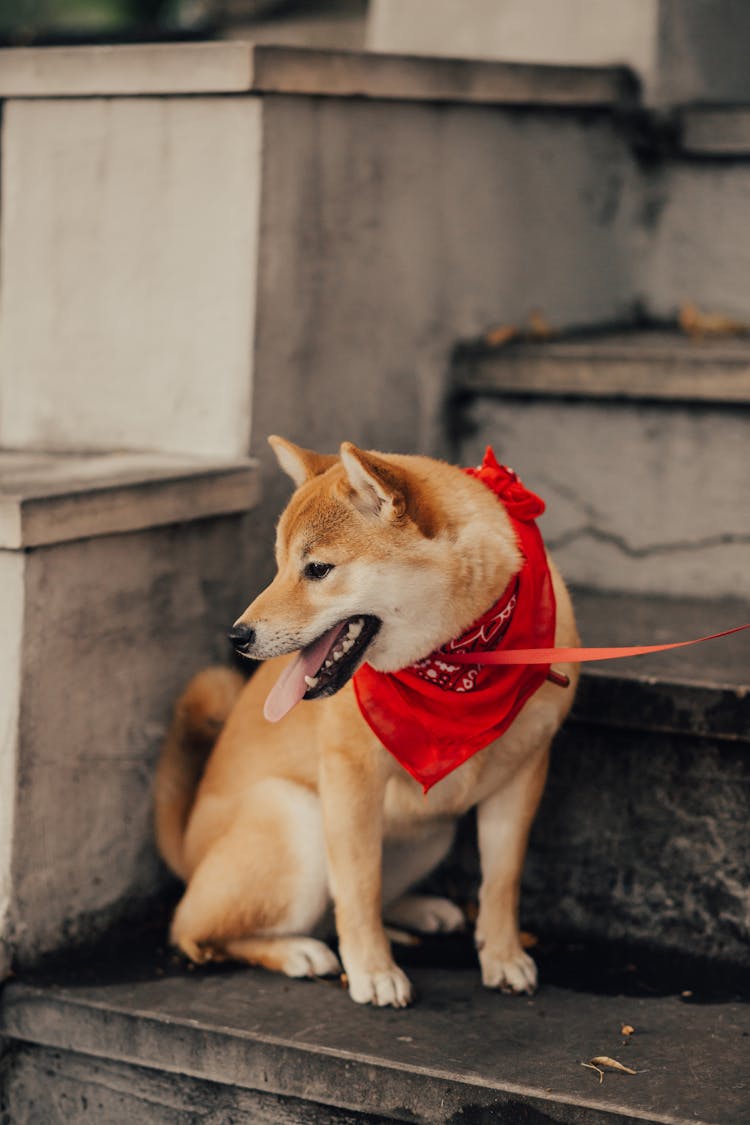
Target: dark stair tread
(651,363)
(700,690)
(461,1053)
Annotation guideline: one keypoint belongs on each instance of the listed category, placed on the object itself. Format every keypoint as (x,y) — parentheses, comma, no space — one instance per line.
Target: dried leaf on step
(538,329)
(626,1030)
(611,1064)
(599,1071)
(344,980)
(699,324)
(528,941)
(503,334)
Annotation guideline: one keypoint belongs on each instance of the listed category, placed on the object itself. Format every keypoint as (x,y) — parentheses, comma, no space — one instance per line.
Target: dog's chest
(406,804)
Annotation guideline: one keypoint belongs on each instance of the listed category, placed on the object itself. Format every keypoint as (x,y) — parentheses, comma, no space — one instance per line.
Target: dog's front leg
(504,820)
(352,788)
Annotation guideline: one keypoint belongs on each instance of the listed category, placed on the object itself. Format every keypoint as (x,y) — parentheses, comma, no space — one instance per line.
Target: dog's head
(368,567)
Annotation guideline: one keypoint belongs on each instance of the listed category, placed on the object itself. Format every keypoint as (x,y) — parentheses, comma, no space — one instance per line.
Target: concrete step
(118,578)
(150,1044)
(647,365)
(717,132)
(638,442)
(642,831)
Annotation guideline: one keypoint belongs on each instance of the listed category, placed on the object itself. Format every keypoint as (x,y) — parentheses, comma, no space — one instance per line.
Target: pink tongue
(291,686)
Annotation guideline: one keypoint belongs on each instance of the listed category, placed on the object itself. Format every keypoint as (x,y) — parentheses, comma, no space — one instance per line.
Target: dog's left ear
(378,488)
(298,463)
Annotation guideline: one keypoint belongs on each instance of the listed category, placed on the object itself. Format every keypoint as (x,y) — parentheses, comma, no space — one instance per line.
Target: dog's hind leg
(406,863)
(261,886)
(294,956)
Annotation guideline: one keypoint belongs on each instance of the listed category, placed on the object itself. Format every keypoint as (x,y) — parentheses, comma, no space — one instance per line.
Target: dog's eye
(316,571)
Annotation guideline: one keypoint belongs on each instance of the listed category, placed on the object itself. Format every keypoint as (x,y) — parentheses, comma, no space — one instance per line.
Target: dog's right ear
(298,463)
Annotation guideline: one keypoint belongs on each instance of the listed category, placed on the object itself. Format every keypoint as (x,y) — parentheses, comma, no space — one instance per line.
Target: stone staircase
(244,240)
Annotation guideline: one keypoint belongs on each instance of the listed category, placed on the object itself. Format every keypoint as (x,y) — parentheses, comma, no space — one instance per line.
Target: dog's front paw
(389,987)
(515,973)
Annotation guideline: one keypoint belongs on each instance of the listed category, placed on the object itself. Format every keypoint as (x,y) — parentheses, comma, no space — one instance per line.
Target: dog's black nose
(242,636)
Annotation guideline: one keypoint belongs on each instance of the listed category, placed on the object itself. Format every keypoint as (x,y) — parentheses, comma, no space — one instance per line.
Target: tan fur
(289,816)
(199,715)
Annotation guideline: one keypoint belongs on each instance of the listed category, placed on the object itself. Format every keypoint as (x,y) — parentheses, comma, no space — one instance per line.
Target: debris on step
(703,325)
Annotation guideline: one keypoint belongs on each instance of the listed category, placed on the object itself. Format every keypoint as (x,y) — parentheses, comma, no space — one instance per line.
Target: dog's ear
(298,463)
(378,489)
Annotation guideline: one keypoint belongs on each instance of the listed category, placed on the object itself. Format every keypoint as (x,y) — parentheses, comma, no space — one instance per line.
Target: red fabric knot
(519,501)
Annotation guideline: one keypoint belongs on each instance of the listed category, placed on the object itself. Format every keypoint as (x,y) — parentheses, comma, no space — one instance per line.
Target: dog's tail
(199,715)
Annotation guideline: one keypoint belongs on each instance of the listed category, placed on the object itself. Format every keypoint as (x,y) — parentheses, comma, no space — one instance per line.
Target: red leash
(577,655)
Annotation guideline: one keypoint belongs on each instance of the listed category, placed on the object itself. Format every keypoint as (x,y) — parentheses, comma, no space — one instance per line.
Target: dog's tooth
(338,654)
(347,645)
(355,628)
(311,681)
(328,663)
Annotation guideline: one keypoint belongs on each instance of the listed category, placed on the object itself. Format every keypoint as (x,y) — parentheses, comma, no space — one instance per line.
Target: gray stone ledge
(462,1053)
(234,68)
(716,132)
(649,365)
(50,498)
(702,691)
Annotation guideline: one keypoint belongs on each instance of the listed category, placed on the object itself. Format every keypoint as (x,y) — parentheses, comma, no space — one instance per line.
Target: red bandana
(435,714)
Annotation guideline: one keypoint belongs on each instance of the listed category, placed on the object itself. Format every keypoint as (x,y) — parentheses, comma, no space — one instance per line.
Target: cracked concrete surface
(648,498)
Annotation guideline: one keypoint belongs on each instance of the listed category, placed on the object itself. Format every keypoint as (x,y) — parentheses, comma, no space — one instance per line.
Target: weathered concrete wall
(639,497)
(390,230)
(11,640)
(701,51)
(49,1087)
(700,251)
(114,628)
(128,259)
(541,31)
(644,837)
(682,50)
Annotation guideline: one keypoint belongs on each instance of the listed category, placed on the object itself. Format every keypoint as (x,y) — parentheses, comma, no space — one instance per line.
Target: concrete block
(642,497)
(222,68)
(101,634)
(49,498)
(129,250)
(11,647)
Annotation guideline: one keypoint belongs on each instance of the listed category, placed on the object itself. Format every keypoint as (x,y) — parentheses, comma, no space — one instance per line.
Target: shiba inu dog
(271,808)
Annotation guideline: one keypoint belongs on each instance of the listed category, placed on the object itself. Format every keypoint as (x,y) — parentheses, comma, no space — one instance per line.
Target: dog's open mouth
(323,667)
